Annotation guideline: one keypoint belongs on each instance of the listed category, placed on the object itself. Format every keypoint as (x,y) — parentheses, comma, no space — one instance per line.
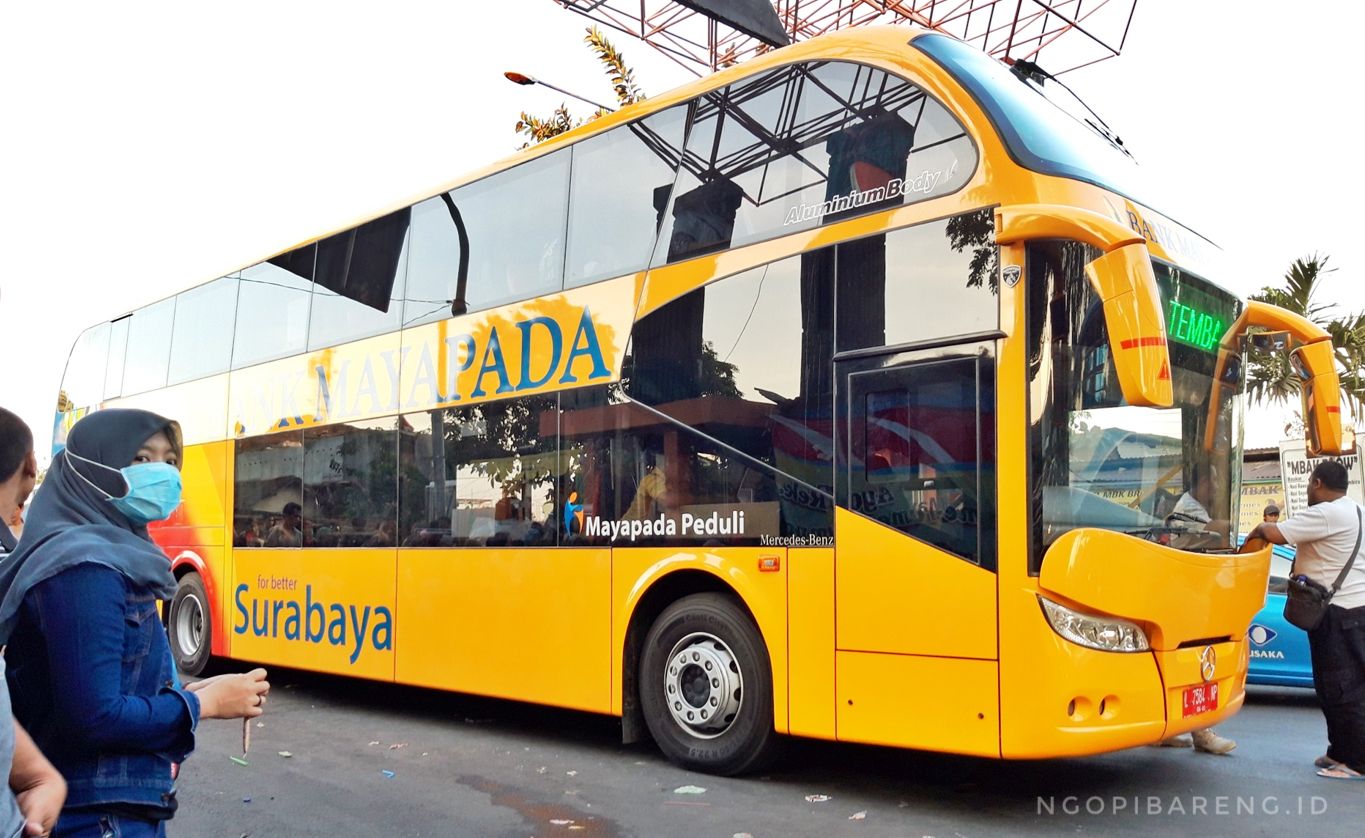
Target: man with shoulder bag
(1326,598)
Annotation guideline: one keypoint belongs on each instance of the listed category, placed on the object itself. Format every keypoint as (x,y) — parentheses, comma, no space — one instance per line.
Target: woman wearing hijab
(90,670)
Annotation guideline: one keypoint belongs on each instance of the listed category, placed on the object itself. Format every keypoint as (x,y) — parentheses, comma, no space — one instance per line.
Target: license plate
(1200,699)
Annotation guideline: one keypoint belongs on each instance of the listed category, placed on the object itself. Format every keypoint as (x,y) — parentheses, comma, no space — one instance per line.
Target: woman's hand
(237,696)
(196,686)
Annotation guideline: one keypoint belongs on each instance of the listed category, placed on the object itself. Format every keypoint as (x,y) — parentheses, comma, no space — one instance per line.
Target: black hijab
(71,523)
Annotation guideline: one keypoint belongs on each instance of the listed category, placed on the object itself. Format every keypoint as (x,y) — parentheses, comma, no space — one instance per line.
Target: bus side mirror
(1125,281)
(1314,364)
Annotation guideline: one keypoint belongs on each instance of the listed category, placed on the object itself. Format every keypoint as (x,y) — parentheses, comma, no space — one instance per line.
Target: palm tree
(1269,377)
(539,129)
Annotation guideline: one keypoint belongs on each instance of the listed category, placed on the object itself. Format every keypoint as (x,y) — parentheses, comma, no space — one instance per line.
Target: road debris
(387,773)
(571,773)
(857,816)
(817,798)
(689,790)
(239,760)
(397,745)
(286,754)
(561,822)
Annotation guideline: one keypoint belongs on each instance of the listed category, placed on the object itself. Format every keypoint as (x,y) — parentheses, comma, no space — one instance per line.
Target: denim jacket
(91,679)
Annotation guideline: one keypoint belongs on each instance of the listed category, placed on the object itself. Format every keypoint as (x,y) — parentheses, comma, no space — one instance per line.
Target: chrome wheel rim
(189,626)
(703,685)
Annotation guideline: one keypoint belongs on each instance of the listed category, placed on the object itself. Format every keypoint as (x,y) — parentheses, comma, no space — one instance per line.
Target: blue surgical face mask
(153,489)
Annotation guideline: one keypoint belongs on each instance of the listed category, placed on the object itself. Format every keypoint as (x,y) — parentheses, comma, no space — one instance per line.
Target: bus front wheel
(189,625)
(706,687)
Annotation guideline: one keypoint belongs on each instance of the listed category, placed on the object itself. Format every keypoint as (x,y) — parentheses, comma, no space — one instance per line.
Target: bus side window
(272,308)
(201,344)
(922,455)
(483,475)
(633,478)
(358,283)
(613,219)
(514,225)
(268,491)
(350,484)
(149,347)
(804,145)
(118,347)
(82,383)
(943,271)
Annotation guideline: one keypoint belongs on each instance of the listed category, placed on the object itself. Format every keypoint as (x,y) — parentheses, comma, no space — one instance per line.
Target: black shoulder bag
(1306,601)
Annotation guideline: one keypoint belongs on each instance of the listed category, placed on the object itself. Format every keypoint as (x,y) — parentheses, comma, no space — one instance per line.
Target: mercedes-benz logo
(1208,663)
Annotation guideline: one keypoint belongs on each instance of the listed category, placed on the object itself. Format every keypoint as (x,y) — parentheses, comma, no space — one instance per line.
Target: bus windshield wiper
(1028,71)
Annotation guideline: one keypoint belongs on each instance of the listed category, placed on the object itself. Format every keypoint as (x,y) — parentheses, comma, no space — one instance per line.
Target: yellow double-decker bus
(855,393)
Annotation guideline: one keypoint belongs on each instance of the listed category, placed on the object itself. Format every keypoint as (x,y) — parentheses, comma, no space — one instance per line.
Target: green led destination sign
(1196,328)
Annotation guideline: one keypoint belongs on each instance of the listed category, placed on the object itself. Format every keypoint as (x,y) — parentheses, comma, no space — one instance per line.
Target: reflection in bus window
(513,223)
(922,455)
(268,491)
(945,272)
(887,453)
(621,181)
(805,145)
(632,477)
(350,484)
(747,360)
(480,476)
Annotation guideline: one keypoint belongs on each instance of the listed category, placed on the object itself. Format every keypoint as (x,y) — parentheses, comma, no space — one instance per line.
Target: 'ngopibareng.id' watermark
(1177,805)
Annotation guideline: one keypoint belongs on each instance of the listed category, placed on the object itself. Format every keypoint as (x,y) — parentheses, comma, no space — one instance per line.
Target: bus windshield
(1160,473)
(1038,134)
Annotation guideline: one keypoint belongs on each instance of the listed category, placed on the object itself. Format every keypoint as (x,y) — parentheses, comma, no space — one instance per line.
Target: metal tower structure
(1006,29)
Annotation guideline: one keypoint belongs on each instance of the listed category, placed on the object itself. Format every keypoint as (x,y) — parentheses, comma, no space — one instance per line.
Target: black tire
(189,625)
(706,687)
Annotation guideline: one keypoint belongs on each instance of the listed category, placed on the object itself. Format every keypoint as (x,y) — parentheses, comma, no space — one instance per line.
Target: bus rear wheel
(189,626)
(706,687)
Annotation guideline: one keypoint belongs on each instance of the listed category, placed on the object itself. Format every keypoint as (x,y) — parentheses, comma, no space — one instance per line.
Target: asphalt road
(377,760)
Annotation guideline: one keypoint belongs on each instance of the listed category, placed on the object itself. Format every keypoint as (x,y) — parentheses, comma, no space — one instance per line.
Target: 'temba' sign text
(542,345)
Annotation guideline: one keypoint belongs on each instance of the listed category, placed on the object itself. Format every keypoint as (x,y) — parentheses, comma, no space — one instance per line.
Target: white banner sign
(1296,466)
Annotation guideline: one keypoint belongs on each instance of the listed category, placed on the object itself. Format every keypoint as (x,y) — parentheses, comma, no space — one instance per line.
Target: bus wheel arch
(698,615)
(189,622)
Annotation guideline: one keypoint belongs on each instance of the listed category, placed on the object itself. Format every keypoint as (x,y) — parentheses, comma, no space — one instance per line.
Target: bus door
(915,549)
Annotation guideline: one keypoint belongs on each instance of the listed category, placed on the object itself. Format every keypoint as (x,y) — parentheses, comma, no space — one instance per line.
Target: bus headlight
(1108,634)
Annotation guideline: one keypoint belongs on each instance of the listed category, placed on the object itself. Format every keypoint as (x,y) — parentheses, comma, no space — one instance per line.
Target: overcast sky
(149,147)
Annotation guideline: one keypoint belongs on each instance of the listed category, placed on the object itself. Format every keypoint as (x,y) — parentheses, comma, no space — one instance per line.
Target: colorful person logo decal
(573,513)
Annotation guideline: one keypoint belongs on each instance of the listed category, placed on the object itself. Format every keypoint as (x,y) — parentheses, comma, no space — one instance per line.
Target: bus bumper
(1059,698)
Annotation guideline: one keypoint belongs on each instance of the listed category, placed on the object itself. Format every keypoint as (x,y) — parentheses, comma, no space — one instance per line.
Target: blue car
(1279,651)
